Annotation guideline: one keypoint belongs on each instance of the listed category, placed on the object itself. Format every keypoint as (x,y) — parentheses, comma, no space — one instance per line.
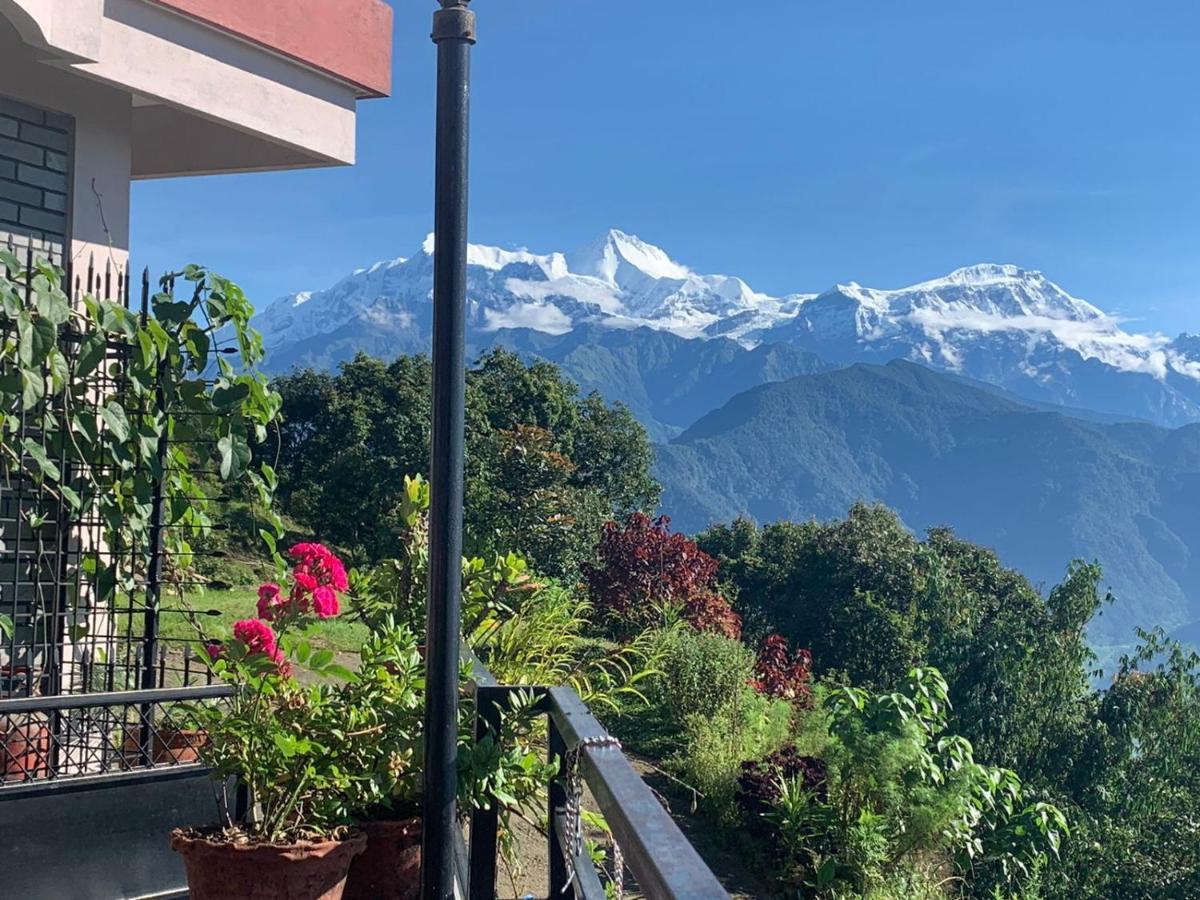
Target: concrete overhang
(221,85)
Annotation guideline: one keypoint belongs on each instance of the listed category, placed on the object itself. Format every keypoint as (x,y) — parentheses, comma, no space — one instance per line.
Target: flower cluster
(777,675)
(317,577)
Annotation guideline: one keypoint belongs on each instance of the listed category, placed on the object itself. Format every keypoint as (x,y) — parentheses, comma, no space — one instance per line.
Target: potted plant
(285,743)
(385,705)
(24,739)
(507,768)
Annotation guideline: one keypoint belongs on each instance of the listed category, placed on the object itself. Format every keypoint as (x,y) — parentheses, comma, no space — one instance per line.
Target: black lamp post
(454,33)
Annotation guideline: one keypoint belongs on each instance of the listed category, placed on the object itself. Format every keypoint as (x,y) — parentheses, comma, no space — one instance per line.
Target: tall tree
(545,467)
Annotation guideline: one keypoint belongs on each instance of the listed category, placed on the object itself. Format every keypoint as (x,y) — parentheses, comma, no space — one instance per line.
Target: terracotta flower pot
(172,747)
(220,870)
(390,867)
(179,746)
(24,750)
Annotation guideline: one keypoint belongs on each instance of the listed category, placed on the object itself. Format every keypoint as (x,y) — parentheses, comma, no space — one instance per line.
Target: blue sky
(790,142)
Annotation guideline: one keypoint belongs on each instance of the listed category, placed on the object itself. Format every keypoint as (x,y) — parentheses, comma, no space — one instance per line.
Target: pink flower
(269,601)
(257,636)
(337,574)
(214,649)
(325,603)
(319,562)
(305,582)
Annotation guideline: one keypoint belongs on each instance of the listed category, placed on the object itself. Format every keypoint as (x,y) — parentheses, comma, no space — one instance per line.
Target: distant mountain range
(1040,487)
(995,323)
(1034,422)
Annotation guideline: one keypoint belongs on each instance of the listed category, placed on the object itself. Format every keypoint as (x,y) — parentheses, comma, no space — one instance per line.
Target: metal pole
(454,33)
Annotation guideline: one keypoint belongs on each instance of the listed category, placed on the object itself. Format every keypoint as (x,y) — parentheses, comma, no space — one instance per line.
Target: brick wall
(35,163)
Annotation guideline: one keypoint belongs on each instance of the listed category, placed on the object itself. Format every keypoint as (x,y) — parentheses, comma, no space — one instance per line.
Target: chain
(573,812)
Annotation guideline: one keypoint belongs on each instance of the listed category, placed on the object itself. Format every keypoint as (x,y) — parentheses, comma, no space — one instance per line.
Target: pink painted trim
(349,39)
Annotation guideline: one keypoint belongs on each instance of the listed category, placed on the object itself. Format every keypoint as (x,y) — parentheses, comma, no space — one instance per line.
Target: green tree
(545,467)
(872,601)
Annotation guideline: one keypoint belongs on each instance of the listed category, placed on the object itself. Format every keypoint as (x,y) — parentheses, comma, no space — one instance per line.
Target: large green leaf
(116,420)
(235,455)
(45,464)
(92,351)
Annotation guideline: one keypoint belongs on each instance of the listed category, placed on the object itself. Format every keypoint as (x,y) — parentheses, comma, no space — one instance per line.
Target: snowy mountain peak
(624,260)
(494,259)
(985,291)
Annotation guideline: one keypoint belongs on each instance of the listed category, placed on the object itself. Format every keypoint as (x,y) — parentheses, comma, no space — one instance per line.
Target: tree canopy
(545,466)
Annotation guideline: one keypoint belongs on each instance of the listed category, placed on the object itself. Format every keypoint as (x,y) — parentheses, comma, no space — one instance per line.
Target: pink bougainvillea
(319,562)
(317,576)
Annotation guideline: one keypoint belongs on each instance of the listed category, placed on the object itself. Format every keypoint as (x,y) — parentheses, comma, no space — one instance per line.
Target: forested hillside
(853,710)
(1040,487)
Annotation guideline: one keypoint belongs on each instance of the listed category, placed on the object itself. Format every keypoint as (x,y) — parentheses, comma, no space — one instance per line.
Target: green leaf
(71,496)
(116,420)
(52,306)
(33,388)
(227,396)
(340,672)
(92,351)
(60,373)
(235,455)
(173,312)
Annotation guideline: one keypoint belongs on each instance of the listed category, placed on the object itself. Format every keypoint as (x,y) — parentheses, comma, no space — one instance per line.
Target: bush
(714,746)
(713,614)
(761,781)
(777,675)
(701,672)
(642,569)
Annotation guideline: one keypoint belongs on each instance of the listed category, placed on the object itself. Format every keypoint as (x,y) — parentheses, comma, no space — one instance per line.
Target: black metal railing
(658,856)
(71,738)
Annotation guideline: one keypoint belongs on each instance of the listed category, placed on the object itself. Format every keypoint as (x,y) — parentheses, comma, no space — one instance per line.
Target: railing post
(485,823)
(559,884)
(153,587)
(454,33)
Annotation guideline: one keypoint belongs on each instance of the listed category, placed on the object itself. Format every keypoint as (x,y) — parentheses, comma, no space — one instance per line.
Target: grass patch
(217,610)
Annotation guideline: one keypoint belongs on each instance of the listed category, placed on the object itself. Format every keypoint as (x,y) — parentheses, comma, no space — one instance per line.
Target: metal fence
(63,641)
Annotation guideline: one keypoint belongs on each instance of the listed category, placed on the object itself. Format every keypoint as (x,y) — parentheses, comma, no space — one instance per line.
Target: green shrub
(713,746)
(701,673)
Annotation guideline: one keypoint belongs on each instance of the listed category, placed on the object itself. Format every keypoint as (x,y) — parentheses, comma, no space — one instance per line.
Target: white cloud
(537,316)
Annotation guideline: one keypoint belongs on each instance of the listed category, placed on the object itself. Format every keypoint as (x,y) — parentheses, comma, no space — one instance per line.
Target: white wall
(99,195)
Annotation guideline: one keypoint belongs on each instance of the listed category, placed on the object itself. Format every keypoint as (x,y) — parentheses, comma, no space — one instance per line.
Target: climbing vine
(101,404)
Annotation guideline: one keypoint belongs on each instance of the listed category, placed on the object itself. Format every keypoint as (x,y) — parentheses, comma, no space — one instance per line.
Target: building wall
(97,185)
(35,152)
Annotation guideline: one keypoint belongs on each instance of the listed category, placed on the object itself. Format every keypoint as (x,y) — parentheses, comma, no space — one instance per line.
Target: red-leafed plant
(710,612)
(777,674)
(759,785)
(642,567)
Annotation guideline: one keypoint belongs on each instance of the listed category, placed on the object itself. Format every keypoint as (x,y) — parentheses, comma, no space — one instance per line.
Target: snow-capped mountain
(618,281)
(995,323)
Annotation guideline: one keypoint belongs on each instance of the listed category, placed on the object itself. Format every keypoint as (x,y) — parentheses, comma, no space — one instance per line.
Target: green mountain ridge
(667,381)
(1041,487)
